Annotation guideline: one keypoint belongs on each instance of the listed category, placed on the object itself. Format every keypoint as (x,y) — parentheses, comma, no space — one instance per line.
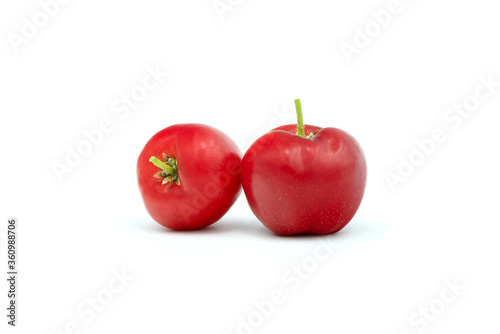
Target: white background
(394,257)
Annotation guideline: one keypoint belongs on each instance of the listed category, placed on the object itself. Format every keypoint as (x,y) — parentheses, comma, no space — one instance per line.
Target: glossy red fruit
(189,176)
(312,184)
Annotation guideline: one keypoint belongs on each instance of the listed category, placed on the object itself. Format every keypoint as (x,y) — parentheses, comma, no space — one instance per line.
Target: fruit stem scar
(168,168)
(160,164)
(300,119)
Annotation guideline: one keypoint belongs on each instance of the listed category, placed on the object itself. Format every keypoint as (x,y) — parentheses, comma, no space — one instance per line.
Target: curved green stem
(300,119)
(160,164)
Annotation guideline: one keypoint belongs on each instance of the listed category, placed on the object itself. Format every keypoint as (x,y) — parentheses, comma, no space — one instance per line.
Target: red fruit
(304,183)
(189,176)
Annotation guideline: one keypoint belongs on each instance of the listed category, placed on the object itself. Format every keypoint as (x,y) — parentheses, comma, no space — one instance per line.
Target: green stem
(160,164)
(300,119)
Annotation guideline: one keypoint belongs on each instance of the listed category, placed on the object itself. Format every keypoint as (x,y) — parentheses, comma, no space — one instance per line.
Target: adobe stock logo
(428,314)
(122,108)
(39,20)
(88,310)
(453,118)
(379,20)
(222,7)
(280,117)
(292,279)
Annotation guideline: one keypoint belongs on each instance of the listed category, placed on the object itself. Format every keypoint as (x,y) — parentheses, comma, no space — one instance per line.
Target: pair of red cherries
(298,179)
